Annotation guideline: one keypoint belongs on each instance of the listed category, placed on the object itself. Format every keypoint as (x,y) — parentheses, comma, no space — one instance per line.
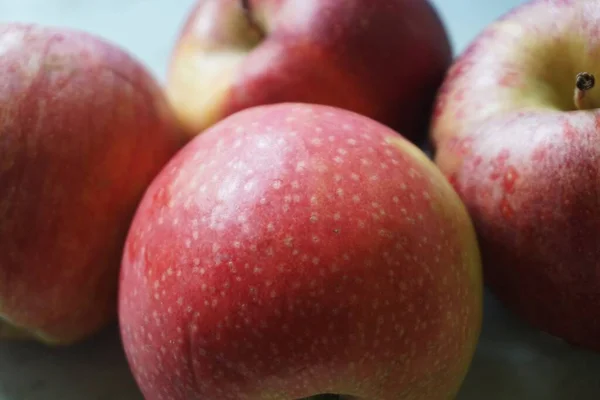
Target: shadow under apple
(516,361)
(93,370)
(513,361)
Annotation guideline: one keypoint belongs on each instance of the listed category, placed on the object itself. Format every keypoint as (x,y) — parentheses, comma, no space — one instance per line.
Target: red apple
(298,249)
(83,130)
(526,160)
(383,59)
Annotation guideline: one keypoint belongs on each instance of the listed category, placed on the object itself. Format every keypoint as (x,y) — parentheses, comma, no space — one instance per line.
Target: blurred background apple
(83,130)
(383,60)
(524,155)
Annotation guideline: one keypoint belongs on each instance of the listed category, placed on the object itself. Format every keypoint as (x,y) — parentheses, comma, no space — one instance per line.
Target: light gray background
(513,362)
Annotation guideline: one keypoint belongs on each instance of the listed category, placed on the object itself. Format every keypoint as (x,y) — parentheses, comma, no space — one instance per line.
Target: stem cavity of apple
(252,22)
(583,83)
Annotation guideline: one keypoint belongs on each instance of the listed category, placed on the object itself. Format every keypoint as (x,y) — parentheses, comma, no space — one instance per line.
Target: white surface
(513,361)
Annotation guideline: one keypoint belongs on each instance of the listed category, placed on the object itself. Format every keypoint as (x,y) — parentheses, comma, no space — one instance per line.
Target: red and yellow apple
(293,250)
(83,130)
(384,60)
(521,146)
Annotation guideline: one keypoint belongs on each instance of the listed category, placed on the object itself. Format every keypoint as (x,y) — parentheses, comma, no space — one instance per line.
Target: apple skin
(385,61)
(526,163)
(298,249)
(83,130)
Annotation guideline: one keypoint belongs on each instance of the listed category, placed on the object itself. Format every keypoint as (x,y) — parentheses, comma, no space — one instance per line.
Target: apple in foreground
(293,250)
(83,130)
(384,60)
(516,130)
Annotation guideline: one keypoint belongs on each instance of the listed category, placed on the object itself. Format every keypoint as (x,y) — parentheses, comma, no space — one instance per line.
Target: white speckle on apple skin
(335,291)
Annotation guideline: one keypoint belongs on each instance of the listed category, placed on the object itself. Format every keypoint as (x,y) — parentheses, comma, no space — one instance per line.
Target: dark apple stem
(583,83)
(254,25)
